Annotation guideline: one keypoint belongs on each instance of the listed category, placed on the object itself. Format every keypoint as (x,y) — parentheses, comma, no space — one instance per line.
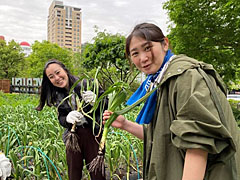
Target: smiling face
(57,75)
(147,56)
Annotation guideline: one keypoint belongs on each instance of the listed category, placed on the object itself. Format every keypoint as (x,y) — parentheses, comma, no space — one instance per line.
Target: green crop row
(32,140)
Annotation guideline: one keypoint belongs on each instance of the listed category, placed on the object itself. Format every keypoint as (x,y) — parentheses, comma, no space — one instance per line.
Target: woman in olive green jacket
(188,127)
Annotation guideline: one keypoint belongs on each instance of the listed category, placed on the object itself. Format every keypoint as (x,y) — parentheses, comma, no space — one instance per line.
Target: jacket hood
(181,63)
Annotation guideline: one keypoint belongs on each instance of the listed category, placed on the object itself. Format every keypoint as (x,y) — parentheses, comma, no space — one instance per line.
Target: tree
(42,52)
(107,52)
(208,30)
(11,59)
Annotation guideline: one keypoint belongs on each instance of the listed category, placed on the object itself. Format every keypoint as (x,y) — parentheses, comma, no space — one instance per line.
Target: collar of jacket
(180,63)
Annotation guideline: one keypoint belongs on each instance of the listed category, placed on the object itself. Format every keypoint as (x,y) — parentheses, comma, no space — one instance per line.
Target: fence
(5,85)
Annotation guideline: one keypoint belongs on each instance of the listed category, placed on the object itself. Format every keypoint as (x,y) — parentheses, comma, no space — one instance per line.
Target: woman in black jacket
(56,83)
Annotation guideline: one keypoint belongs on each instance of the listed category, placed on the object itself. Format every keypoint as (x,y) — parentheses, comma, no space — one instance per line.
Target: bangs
(149,34)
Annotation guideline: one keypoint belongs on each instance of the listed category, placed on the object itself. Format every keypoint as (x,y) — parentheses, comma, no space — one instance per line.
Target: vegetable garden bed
(33,142)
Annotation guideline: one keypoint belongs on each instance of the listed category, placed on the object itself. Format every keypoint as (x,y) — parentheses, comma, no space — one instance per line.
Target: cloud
(121,3)
(25,20)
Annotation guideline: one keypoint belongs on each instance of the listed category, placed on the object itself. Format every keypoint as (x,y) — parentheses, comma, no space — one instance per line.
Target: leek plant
(116,100)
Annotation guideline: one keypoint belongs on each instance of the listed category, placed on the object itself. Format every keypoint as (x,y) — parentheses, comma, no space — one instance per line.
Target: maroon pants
(89,150)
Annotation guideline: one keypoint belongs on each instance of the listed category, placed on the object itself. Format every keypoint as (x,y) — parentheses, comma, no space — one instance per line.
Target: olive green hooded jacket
(186,117)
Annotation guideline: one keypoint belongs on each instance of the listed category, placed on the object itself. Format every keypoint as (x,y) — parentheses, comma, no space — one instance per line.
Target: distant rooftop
(24,43)
(2,38)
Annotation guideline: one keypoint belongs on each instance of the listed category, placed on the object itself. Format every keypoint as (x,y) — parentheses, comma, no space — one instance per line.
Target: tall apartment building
(65,25)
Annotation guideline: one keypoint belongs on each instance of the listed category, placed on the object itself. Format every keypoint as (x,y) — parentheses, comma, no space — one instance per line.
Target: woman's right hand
(118,123)
(124,124)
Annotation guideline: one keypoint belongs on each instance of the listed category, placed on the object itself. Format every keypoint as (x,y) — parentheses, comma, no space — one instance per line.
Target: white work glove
(75,116)
(89,97)
(5,167)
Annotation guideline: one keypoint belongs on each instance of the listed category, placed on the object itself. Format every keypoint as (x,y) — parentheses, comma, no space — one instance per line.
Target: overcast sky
(26,20)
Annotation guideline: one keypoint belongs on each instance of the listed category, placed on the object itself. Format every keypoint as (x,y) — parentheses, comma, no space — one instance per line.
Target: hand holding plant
(75,116)
(89,97)
(118,123)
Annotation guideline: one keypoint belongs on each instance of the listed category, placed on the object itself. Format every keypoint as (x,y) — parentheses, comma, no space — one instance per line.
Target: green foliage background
(108,52)
(11,59)
(41,53)
(208,30)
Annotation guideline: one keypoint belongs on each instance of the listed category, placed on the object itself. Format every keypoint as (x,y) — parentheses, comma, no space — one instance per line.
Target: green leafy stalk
(120,98)
(116,101)
(129,108)
(105,131)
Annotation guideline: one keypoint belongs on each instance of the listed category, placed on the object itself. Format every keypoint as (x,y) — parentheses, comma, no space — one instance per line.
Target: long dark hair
(48,90)
(147,31)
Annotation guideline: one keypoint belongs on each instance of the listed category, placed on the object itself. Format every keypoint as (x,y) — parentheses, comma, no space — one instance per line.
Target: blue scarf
(146,114)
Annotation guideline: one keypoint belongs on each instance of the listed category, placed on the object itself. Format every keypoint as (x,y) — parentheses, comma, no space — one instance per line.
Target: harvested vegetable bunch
(72,139)
(116,100)
(71,136)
